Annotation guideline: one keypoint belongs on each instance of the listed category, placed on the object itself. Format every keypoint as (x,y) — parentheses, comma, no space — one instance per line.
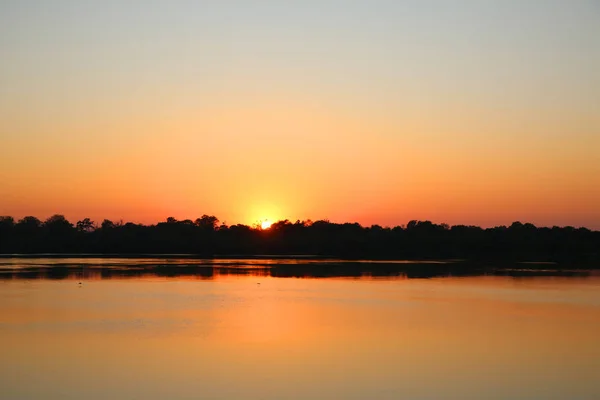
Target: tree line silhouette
(206,237)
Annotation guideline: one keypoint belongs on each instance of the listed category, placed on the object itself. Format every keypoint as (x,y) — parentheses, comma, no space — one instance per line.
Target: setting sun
(266,224)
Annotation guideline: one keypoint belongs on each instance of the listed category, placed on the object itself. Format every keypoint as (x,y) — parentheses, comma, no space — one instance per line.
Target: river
(238,329)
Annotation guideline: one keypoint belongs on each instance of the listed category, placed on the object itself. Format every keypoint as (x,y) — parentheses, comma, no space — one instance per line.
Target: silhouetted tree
(7,222)
(58,223)
(207,222)
(107,224)
(29,223)
(58,235)
(85,225)
(204,236)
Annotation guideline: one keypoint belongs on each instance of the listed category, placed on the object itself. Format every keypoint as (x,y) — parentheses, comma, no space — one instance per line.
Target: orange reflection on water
(262,337)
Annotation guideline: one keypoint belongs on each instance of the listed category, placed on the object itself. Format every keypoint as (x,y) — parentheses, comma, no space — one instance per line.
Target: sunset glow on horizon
(381,112)
(266,224)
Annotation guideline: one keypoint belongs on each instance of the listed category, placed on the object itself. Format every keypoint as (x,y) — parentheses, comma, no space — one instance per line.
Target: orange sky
(283,114)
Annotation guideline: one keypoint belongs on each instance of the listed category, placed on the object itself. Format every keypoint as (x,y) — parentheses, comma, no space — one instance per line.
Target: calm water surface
(223,335)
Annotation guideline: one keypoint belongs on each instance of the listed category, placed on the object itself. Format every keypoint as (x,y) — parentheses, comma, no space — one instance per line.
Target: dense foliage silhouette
(207,238)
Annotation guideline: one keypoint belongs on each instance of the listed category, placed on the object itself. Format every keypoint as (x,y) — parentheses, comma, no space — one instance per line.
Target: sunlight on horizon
(266,224)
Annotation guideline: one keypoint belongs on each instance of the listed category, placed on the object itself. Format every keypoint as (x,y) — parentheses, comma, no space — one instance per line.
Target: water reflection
(122,268)
(189,330)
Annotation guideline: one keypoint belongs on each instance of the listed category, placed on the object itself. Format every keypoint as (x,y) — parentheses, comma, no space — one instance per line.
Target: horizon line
(306,222)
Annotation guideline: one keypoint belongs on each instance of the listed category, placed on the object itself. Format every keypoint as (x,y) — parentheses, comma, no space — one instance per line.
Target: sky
(379,112)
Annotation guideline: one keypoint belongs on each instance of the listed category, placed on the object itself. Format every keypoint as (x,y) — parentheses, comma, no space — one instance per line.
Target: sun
(266,224)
